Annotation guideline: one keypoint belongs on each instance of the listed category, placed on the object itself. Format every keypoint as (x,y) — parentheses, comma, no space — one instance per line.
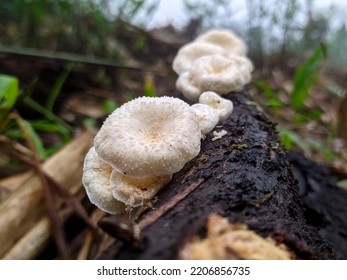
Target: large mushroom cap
(149,137)
(96,180)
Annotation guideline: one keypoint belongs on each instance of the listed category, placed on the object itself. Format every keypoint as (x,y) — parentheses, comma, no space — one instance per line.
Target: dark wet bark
(244,176)
(325,203)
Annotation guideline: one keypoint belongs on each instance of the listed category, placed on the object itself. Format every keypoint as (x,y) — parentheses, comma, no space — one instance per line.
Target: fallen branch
(244,177)
(24,208)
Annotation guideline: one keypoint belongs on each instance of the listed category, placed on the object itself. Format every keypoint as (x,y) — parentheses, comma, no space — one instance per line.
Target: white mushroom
(96,180)
(185,85)
(149,137)
(187,54)
(223,106)
(135,192)
(207,117)
(215,73)
(219,134)
(225,39)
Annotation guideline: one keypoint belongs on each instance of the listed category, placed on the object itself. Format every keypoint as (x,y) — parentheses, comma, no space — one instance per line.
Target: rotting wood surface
(245,177)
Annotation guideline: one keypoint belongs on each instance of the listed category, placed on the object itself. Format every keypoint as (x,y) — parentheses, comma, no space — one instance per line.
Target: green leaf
(35,138)
(8,94)
(46,126)
(139,44)
(305,77)
(13,133)
(109,106)
(322,148)
(135,7)
(149,89)
(89,122)
(306,116)
(290,139)
(272,98)
(63,127)
(58,86)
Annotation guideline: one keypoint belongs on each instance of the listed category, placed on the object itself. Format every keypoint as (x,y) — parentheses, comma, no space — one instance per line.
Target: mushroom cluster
(214,64)
(145,141)
(136,151)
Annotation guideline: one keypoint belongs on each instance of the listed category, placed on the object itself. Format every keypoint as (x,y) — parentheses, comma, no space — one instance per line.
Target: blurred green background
(67,64)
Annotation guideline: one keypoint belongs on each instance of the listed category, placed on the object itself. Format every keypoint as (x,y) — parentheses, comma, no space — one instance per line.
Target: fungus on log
(244,177)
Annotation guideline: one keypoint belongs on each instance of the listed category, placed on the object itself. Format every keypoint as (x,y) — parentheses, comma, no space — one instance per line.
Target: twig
(166,207)
(58,232)
(65,56)
(21,153)
(72,201)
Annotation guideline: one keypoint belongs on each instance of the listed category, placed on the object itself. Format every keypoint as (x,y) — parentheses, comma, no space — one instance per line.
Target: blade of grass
(67,57)
(305,77)
(52,97)
(28,131)
(109,106)
(56,223)
(149,88)
(65,129)
(290,139)
(272,98)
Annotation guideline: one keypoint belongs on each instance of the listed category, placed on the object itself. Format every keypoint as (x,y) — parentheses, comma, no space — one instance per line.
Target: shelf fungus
(215,73)
(224,39)
(223,107)
(136,151)
(214,61)
(190,52)
(208,117)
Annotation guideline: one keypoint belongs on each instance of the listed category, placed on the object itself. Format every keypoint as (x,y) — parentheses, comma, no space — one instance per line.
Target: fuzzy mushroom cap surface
(96,180)
(225,39)
(208,117)
(215,73)
(222,75)
(187,54)
(185,85)
(135,192)
(223,106)
(149,136)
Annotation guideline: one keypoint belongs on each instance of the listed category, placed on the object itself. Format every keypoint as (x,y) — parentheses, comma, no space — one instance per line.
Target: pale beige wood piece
(25,207)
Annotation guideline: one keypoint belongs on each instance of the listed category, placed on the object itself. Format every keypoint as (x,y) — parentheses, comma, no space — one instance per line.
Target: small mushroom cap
(187,54)
(135,192)
(215,73)
(96,180)
(149,136)
(225,39)
(220,74)
(207,117)
(185,85)
(223,106)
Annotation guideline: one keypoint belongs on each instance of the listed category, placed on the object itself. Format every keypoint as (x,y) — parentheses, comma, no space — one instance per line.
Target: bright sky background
(172,11)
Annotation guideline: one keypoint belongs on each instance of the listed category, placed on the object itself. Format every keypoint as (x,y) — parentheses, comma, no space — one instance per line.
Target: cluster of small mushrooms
(145,141)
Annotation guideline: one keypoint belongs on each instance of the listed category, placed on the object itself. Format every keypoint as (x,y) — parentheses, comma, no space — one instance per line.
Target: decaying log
(325,202)
(244,177)
(23,212)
